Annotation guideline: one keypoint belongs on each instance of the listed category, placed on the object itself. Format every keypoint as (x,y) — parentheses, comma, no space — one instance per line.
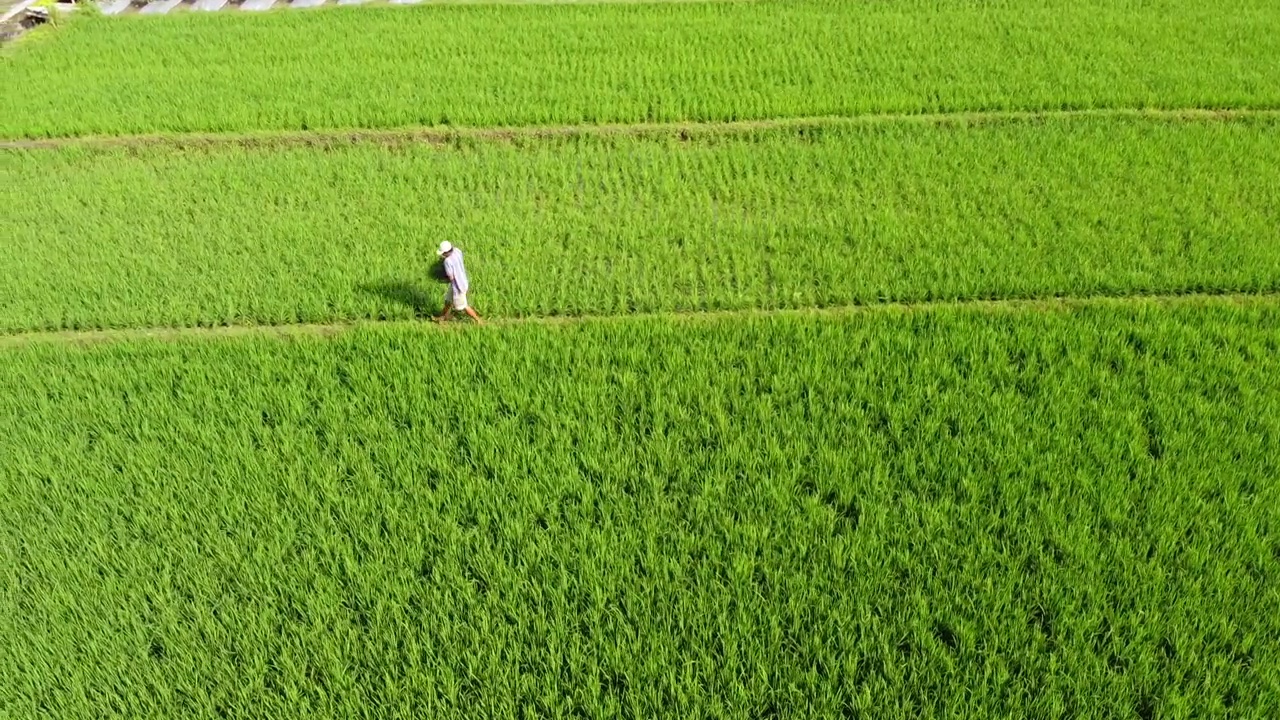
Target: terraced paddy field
(906,359)
(504,65)
(823,215)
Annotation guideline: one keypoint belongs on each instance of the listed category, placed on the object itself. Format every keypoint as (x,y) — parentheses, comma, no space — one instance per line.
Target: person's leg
(448,305)
(460,302)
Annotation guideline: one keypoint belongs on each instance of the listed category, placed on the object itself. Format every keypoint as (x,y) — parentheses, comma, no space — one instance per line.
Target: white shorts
(457,300)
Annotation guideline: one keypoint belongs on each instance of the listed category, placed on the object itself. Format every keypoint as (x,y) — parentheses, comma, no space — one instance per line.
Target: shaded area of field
(1060,512)
(521,65)
(605,225)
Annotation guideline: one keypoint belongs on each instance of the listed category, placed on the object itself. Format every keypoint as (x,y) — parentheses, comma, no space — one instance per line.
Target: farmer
(455,298)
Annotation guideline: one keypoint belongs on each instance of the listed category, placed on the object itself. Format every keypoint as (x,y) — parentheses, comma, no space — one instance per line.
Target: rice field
(825,215)
(978,513)
(792,402)
(503,65)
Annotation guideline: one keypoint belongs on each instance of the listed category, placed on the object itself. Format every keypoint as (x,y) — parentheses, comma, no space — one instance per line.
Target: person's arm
(448,306)
(448,272)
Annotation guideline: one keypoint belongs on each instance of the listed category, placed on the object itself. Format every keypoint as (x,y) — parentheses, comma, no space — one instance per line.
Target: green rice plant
(898,514)
(507,65)
(832,214)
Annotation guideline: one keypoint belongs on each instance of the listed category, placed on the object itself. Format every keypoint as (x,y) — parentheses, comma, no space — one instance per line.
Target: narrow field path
(1043,304)
(448,134)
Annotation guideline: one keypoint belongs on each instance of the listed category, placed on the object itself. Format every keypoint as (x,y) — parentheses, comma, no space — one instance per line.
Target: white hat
(445,247)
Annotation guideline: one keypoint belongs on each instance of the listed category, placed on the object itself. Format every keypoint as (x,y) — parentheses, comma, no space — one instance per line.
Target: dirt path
(683,130)
(1041,304)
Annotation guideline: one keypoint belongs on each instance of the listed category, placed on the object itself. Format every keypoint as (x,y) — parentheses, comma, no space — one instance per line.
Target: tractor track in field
(1057,303)
(683,130)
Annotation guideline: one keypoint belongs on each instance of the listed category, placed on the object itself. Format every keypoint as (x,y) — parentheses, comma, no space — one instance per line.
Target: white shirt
(456,271)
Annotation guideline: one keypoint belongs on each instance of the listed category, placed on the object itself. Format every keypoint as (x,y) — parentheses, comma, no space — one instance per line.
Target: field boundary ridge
(444,135)
(1048,303)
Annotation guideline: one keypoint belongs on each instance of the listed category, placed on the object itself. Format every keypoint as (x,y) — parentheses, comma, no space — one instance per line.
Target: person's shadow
(405,293)
(409,294)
